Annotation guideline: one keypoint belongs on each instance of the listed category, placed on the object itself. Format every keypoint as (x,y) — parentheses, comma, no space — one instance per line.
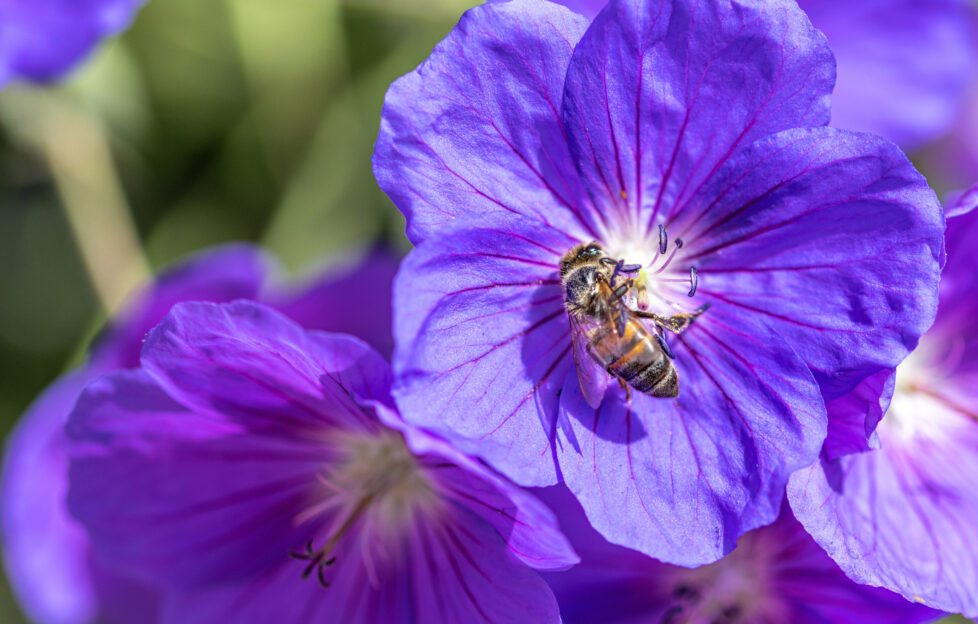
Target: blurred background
(205,122)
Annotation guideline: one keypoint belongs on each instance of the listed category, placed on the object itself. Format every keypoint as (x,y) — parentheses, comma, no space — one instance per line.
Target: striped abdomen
(635,357)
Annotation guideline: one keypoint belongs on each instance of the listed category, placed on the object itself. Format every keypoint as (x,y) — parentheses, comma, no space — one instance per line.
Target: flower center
(667,280)
(378,484)
(737,589)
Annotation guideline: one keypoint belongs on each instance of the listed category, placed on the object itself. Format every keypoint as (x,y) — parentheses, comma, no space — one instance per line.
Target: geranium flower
(522,136)
(47,555)
(903,65)
(777,574)
(261,473)
(40,40)
(903,516)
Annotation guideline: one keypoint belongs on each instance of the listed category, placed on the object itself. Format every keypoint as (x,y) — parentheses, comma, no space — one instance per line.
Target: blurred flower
(817,248)
(47,553)
(243,438)
(904,516)
(778,574)
(42,39)
(903,65)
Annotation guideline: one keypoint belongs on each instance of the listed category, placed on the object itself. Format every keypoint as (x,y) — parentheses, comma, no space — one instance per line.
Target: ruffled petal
(179,498)
(853,416)
(483,344)
(448,571)
(904,65)
(246,360)
(682,479)
(833,238)
(801,584)
(650,80)
(474,132)
(234,271)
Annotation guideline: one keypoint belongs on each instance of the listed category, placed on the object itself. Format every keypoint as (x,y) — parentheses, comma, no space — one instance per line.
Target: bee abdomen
(645,366)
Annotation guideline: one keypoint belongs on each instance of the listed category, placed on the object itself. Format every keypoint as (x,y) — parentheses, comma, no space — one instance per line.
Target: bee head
(581,254)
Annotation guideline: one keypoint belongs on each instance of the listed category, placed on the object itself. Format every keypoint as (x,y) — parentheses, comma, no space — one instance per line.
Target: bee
(609,338)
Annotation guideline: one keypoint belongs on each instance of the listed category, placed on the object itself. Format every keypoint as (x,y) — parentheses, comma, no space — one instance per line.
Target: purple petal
(450,572)
(235,271)
(647,81)
(474,132)
(41,40)
(903,65)
(354,299)
(246,360)
(45,551)
(682,479)
(853,417)
(777,574)
(483,344)
(961,202)
(178,497)
(902,517)
(833,238)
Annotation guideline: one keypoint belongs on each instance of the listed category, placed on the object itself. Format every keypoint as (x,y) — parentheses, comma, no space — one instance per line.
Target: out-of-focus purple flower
(42,39)
(904,516)
(777,574)
(47,554)
(523,135)
(903,65)
(243,438)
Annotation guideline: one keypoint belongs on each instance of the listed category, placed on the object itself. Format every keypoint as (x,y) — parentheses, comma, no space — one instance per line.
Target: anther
(693,281)
(665,348)
(663,239)
(679,242)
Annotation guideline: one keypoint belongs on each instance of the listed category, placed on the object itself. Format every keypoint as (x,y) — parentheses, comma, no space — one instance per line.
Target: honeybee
(609,338)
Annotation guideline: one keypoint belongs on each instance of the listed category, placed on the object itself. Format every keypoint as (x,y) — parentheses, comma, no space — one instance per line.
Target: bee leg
(627,389)
(677,323)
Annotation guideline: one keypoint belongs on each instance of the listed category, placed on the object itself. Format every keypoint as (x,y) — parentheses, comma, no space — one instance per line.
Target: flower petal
(833,238)
(961,202)
(483,344)
(354,299)
(853,416)
(249,361)
(904,65)
(647,82)
(681,480)
(178,498)
(44,39)
(902,517)
(801,584)
(450,572)
(235,271)
(474,132)
(45,550)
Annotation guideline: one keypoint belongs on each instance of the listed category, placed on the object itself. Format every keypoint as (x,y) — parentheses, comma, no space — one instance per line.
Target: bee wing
(592,378)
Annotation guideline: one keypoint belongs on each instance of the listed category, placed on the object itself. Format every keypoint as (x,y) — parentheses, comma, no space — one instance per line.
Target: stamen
(663,239)
(665,266)
(693,281)
(665,346)
(679,242)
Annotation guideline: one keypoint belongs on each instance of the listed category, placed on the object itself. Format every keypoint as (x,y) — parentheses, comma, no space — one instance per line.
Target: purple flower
(42,39)
(47,554)
(903,65)
(777,574)
(523,136)
(244,438)
(904,516)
